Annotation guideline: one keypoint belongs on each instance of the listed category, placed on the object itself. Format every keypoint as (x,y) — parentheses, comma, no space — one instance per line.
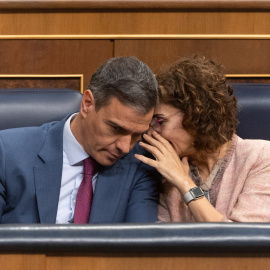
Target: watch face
(197,192)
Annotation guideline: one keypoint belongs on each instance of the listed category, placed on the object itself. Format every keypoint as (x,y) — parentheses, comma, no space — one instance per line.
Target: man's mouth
(113,156)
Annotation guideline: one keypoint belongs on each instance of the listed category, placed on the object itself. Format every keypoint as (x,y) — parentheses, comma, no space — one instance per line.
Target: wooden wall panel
(76,262)
(136,5)
(64,37)
(54,56)
(23,261)
(42,82)
(160,263)
(238,56)
(132,22)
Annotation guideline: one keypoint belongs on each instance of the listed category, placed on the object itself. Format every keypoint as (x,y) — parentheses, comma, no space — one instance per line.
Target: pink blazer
(242,193)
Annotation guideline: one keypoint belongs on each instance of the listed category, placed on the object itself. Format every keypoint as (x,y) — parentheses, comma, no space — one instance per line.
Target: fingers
(152,149)
(146,160)
(160,138)
(185,164)
(158,141)
(150,131)
(185,160)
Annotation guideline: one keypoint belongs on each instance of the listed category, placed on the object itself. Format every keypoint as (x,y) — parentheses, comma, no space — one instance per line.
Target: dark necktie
(85,193)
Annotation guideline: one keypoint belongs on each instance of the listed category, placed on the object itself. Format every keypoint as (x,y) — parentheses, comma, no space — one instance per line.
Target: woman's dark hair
(197,86)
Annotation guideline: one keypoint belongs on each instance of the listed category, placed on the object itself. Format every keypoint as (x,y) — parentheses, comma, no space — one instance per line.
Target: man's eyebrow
(122,129)
(112,123)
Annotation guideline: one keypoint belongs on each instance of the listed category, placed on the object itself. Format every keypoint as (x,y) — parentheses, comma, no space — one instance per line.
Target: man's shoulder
(25,131)
(137,149)
(24,137)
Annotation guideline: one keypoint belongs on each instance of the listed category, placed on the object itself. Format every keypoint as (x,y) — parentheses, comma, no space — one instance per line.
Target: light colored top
(240,186)
(72,174)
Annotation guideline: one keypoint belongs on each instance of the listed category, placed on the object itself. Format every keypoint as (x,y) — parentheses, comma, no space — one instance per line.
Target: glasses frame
(156,123)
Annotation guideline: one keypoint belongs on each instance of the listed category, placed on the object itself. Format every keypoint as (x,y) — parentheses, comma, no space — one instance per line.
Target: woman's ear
(88,102)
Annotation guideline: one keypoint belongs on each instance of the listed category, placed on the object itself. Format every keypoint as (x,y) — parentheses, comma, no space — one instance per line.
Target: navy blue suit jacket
(31,161)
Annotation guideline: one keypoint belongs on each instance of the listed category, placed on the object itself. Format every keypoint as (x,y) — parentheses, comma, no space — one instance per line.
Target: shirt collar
(74,151)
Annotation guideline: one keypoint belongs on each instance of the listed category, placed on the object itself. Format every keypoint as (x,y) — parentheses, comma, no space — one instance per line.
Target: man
(41,167)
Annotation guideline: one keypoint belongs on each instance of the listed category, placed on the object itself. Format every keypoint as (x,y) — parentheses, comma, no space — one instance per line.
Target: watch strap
(188,197)
(193,194)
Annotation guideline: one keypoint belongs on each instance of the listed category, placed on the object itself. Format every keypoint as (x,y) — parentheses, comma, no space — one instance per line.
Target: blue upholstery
(34,107)
(254,110)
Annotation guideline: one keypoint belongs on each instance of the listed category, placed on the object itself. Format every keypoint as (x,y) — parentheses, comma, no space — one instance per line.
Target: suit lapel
(48,182)
(107,194)
(48,173)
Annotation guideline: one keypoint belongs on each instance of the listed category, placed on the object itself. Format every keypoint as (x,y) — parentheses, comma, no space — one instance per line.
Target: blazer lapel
(107,194)
(48,182)
(48,173)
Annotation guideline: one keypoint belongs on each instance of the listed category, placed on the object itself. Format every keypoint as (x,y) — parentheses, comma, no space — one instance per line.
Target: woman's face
(170,121)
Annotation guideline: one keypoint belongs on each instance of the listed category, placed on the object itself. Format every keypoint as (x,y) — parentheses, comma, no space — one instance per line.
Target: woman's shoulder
(250,149)
(251,144)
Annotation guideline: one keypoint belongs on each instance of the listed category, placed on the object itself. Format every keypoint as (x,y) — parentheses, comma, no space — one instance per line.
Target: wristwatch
(193,194)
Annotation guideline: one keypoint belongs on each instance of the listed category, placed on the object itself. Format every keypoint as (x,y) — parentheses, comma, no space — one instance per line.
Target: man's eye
(115,128)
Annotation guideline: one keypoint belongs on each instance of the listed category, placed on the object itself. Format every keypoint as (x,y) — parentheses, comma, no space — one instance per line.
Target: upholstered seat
(34,107)
(254,110)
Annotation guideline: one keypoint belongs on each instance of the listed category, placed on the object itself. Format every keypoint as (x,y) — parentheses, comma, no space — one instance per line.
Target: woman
(210,174)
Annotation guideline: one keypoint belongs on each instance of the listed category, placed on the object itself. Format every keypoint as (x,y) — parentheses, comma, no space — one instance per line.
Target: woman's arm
(176,170)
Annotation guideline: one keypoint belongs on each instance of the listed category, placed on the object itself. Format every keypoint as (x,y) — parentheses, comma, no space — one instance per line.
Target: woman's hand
(167,162)
(176,171)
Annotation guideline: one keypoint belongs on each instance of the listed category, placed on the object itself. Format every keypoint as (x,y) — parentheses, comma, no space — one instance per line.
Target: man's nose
(124,144)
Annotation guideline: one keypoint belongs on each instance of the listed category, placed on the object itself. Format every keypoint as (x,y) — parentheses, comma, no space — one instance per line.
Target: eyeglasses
(156,123)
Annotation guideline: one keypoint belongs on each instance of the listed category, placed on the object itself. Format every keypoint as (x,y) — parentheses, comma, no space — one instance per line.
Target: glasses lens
(155,125)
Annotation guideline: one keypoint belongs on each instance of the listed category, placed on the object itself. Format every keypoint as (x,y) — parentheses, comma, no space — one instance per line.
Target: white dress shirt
(72,174)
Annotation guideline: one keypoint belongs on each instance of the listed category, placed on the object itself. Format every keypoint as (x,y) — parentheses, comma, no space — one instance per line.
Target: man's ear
(88,102)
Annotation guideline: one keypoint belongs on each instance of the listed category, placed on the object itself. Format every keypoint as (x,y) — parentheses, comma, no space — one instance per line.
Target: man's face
(112,131)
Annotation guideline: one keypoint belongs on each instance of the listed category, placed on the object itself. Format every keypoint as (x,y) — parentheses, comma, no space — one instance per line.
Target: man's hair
(127,79)
(198,88)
